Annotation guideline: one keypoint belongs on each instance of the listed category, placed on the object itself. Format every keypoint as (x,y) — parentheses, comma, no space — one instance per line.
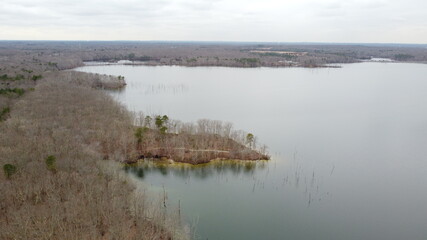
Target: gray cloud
(232,20)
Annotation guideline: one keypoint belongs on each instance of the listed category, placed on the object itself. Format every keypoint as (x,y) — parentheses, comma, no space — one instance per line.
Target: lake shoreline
(158,137)
(229,65)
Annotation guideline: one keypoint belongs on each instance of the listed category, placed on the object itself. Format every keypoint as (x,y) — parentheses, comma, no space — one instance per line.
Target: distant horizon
(224,42)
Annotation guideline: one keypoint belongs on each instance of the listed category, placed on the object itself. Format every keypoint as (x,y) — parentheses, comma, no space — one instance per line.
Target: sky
(345,21)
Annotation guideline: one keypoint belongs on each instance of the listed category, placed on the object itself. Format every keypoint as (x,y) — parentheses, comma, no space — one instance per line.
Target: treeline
(158,136)
(19,77)
(94,80)
(39,57)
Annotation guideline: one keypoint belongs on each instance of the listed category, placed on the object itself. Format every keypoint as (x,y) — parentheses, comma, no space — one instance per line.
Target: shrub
(6,77)
(7,91)
(36,77)
(3,113)
(9,170)
(159,122)
(139,133)
(163,130)
(51,163)
(148,120)
(250,139)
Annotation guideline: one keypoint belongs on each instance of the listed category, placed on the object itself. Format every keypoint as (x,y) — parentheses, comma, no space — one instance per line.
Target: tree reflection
(201,171)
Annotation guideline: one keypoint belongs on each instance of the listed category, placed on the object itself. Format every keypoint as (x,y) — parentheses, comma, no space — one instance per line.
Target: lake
(349,148)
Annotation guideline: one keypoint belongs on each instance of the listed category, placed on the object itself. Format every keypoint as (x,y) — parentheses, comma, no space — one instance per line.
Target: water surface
(349,149)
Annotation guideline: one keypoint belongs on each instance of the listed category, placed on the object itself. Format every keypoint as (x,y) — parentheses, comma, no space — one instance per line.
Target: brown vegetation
(58,187)
(93,80)
(29,59)
(207,140)
(55,129)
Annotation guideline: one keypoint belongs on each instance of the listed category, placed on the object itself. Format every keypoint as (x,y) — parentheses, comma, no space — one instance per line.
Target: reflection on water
(202,171)
(152,89)
(255,175)
(163,88)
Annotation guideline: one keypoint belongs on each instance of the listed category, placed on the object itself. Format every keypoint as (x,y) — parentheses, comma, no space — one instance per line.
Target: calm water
(349,148)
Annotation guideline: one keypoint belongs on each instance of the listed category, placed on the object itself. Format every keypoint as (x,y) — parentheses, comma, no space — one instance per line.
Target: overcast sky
(369,21)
